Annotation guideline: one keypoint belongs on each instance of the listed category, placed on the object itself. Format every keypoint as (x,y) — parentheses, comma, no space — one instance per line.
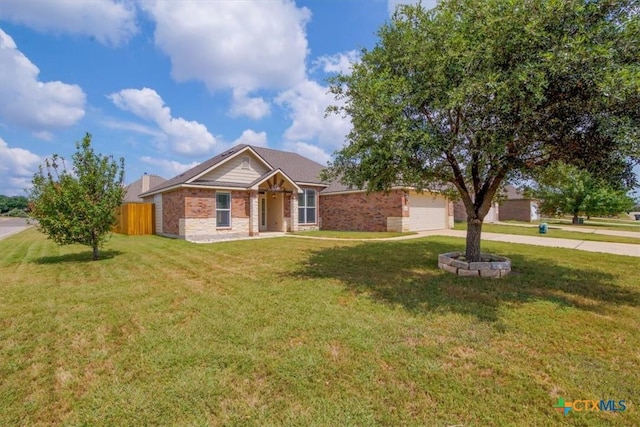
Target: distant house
(634,216)
(517,207)
(460,213)
(140,186)
(249,190)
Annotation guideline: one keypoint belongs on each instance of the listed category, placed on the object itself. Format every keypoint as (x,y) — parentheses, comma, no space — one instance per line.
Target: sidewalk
(589,246)
(635,234)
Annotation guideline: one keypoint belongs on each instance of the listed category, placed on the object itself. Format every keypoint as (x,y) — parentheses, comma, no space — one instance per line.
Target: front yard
(553,231)
(309,332)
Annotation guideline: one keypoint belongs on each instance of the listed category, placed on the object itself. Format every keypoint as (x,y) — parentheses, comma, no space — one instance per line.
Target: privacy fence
(135,219)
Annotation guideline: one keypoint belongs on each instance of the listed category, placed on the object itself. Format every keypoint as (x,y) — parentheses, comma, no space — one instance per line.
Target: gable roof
(135,188)
(299,168)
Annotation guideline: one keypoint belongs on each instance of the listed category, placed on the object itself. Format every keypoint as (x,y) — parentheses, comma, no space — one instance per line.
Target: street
(9,226)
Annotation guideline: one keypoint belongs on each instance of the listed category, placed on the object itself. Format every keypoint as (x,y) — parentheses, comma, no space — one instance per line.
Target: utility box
(542,228)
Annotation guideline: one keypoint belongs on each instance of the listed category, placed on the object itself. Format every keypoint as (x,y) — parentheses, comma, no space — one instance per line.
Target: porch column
(254,216)
(294,211)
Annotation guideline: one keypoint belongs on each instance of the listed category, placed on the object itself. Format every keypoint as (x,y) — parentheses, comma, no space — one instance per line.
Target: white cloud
(243,105)
(169,167)
(338,63)
(307,103)
(110,22)
(258,139)
(309,151)
(16,169)
(133,127)
(30,103)
(427,4)
(185,137)
(44,135)
(245,45)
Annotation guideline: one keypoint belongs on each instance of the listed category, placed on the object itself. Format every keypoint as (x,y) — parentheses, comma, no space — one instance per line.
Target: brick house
(140,186)
(517,207)
(460,213)
(250,190)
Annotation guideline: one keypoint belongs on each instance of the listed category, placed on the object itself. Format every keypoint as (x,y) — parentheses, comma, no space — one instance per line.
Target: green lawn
(351,234)
(598,223)
(551,232)
(290,331)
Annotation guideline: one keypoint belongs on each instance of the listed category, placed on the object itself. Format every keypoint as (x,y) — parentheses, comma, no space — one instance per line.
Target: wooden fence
(136,219)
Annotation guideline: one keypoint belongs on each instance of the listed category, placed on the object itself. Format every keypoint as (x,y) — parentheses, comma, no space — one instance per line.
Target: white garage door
(427,212)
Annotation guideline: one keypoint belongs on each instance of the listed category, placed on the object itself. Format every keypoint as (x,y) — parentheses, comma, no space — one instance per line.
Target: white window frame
(306,208)
(218,209)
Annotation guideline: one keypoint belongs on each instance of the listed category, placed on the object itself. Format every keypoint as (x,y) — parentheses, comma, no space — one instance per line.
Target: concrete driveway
(9,226)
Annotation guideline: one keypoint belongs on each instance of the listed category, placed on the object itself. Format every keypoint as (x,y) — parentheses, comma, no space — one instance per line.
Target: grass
(292,331)
(597,223)
(358,235)
(551,232)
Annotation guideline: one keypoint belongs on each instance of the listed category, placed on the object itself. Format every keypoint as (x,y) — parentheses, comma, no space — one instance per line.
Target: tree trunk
(574,220)
(94,245)
(474,230)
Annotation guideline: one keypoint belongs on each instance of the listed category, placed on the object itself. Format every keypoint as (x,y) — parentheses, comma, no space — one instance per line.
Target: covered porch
(277,203)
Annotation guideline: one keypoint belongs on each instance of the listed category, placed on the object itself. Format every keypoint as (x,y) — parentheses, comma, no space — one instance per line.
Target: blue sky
(168,84)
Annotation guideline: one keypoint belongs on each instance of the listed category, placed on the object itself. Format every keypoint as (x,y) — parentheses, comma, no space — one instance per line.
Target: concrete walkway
(604,247)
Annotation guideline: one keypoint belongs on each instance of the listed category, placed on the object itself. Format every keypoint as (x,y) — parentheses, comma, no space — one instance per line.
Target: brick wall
(196,203)
(172,211)
(287,205)
(516,210)
(240,204)
(459,211)
(360,211)
(199,203)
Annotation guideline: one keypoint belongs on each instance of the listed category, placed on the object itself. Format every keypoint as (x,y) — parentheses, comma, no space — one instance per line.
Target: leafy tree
(10,203)
(78,206)
(475,93)
(564,189)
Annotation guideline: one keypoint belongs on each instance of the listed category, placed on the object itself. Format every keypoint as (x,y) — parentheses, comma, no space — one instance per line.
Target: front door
(262,213)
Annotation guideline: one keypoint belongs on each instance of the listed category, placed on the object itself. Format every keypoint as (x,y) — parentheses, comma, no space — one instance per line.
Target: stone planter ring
(492,266)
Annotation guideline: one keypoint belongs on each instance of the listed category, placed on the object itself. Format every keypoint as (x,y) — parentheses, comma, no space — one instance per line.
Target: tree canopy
(475,93)
(78,206)
(13,204)
(567,190)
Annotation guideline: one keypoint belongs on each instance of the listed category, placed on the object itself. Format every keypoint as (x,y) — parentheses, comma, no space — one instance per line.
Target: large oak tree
(475,93)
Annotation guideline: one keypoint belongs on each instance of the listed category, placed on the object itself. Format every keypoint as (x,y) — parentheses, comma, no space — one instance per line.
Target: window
(245,162)
(307,207)
(223,209)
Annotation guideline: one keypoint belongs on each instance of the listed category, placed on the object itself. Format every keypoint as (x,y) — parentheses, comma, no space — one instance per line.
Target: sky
(169,84)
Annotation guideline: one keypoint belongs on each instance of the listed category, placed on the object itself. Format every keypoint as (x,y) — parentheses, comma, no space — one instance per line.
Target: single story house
(460,213)
(142,185)
(249,190)
(517,207)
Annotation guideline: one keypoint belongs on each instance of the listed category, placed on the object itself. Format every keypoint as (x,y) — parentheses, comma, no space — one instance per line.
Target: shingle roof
(297,167)
(135,188)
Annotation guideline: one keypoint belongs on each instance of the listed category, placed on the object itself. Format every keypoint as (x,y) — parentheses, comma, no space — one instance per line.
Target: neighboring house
(460,213)
(634,216)
(517,207)
(249,190)
(140,186)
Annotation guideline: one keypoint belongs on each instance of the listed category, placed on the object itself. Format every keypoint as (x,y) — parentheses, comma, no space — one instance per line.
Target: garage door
(427,212)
